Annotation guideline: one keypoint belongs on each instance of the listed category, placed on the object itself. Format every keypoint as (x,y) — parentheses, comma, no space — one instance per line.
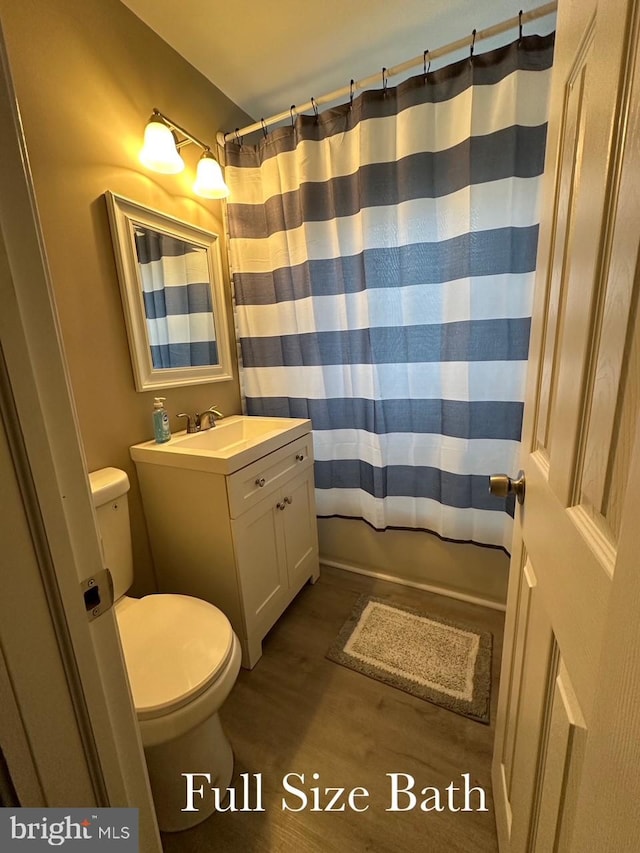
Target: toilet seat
(174,647)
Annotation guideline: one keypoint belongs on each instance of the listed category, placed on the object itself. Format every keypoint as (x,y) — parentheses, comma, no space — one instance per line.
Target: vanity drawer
(247,487)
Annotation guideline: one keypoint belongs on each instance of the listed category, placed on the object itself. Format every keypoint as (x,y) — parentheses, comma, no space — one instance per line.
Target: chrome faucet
(201,420)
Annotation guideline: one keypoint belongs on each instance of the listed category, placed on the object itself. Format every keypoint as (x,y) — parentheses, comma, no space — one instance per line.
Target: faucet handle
(209,415)
(214,410)
(191,421)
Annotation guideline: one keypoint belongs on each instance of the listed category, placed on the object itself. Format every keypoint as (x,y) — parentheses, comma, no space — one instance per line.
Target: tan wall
(87,75)
(418,557)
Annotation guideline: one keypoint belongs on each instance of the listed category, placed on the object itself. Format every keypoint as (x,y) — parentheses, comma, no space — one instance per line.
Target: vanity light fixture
(161,153)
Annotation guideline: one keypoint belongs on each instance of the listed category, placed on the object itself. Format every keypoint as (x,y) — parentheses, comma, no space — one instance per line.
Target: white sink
(234,442)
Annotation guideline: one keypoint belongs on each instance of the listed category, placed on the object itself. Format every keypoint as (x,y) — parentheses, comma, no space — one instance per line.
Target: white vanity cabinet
(276,553)
(246,541)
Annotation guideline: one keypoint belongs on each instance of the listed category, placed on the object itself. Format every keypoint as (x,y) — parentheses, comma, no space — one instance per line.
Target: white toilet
(182,660)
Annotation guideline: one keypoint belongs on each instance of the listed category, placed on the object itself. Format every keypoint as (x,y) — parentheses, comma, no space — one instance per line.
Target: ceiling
(266,56)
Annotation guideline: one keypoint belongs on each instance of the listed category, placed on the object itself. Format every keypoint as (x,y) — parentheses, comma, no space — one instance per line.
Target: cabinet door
(300,531)
(260,559)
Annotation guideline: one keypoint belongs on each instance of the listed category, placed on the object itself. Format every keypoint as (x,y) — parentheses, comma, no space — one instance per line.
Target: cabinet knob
(288,500)
(260,481)
(300,457)
(281,506)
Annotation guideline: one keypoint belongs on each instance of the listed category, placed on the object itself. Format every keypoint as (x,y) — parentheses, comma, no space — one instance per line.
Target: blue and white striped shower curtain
(383,259)
(177,300)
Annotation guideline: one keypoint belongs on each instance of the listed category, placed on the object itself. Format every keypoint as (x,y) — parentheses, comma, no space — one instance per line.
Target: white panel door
(574,532)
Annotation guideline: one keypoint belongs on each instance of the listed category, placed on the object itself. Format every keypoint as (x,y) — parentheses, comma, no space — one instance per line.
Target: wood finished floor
(297,712)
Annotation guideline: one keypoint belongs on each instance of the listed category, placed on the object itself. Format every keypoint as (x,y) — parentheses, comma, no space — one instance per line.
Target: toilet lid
(174,646)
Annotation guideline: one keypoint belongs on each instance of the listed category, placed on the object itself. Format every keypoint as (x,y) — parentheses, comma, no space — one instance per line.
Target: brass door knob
(501,486)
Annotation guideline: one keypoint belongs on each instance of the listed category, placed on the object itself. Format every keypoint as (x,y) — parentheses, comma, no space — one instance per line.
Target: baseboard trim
(438,590)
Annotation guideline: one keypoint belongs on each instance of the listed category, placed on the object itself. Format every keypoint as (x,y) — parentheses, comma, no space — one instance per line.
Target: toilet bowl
(182,659)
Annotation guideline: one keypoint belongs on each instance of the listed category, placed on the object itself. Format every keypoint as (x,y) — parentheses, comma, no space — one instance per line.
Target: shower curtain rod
(467,41)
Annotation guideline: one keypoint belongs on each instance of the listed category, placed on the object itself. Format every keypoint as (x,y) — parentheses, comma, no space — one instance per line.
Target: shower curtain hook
(315,107)
(520,26)
(292,110)
(473,44)
(238,138)
(426,54)
(351,85)
(384,80)
(265,132)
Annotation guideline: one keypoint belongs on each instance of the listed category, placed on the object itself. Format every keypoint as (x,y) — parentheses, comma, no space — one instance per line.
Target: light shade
(209,182)
(159,151)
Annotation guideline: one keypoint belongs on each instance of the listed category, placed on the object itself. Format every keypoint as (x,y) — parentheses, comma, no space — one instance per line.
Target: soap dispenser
(161,429)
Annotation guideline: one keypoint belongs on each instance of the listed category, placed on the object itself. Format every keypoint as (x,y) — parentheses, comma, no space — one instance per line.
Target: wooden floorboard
(297,712)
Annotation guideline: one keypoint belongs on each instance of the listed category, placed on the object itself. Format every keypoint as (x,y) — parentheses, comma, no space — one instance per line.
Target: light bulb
(159,151)
(209,182)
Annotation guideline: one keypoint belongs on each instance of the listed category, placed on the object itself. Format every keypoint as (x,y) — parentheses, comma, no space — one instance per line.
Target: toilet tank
(109,487)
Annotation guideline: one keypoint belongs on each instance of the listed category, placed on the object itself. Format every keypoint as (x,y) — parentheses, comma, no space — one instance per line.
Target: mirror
(171,283)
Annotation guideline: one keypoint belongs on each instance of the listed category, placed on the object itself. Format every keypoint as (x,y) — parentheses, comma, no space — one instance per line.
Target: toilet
(182,659)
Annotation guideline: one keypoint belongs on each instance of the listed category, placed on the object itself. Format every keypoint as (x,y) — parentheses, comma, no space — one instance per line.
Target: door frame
(49,526)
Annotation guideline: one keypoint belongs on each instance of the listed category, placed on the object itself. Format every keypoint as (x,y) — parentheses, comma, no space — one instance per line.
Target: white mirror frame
(123,213)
